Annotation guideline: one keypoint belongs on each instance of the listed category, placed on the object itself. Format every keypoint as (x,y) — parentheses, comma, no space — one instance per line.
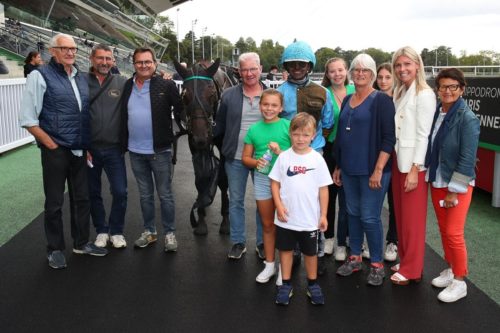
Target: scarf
(299,82)
(433,148)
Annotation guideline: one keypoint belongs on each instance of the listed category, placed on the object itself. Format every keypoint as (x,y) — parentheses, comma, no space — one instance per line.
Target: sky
(470,25)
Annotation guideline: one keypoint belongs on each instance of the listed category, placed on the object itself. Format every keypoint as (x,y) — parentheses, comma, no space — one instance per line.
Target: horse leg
(224,209)
(201,229)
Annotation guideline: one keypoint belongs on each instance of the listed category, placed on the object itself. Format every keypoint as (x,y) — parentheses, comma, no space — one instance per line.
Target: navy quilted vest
(61,117)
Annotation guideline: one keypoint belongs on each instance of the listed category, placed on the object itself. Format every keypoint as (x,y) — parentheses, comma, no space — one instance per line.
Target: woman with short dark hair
(450,163)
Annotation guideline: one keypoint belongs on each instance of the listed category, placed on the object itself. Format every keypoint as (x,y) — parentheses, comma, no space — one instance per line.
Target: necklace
(338,100)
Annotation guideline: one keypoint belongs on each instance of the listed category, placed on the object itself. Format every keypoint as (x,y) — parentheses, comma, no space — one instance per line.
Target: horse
(201,91)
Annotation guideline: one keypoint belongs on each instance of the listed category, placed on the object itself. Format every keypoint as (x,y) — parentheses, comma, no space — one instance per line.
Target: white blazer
(413,122)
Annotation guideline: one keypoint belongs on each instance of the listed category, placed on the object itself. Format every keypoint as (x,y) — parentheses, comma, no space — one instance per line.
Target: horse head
(200,96)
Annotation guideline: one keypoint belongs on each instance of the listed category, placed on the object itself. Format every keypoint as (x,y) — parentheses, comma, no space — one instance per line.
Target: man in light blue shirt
(55,111)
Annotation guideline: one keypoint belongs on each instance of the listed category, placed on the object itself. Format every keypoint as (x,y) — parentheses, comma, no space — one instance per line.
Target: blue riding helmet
(299,51)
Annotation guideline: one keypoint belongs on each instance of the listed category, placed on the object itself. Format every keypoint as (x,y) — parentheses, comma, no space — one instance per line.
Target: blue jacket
(61,117)
(457,154)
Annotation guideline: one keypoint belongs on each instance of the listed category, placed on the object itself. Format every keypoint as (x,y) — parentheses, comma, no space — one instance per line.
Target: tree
(322,56)
(378,55)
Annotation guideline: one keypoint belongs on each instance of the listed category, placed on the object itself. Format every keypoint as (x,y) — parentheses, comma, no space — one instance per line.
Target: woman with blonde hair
(415,104)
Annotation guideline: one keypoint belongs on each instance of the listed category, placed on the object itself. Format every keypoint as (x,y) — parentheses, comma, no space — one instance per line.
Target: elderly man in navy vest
(55,110)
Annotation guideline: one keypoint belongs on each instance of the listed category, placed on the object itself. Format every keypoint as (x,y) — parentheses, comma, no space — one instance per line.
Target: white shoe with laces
(170,242)
(341,253)
(391,252)
(455,291)
(118,241)
(365,251)
(101,240)
(329,246)
(444,279)
(267,273)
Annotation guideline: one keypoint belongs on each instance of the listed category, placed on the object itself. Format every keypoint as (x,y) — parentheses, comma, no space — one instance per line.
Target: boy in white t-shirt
(300,180)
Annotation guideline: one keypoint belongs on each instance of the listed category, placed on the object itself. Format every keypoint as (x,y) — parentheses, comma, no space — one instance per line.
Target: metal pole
(211,37)
(48,15)
(203,42)
(178,48)
(192,39)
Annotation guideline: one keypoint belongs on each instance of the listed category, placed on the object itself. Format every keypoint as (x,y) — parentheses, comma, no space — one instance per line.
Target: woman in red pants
(451,159)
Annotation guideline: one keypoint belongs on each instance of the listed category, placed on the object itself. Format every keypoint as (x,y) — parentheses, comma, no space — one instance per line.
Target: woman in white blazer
(415,104)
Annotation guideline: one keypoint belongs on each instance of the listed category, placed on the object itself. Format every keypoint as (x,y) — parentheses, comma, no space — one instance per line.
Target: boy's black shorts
(287,239)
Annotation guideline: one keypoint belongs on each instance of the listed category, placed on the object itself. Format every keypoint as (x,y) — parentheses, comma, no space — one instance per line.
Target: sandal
(400,280)
(395,268)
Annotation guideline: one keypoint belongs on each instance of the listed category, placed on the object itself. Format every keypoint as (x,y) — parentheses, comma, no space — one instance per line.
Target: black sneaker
(237,251)
(321,266)
(260,251)
(376,276)
(56,259)
(90,249)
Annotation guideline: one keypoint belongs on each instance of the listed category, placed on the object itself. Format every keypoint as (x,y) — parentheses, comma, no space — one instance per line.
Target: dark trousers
(112,161)
(392,234)
(60,166)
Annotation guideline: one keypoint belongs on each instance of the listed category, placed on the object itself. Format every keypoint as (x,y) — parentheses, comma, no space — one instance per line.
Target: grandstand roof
(155,6)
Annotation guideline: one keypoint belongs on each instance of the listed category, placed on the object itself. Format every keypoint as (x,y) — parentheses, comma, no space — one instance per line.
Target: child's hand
(323,223)
(282,214)
(275,147)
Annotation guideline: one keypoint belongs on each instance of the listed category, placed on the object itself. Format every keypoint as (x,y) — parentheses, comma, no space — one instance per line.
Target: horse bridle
(208,116)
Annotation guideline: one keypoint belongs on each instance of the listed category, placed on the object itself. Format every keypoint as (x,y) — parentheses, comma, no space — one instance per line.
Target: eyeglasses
(65,49)
(252,70)
(104,58)
(452,87)
(146,63)
(296,64)
(361,70)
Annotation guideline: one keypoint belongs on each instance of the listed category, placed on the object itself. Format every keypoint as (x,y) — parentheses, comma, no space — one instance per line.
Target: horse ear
(180,69)
(213,68)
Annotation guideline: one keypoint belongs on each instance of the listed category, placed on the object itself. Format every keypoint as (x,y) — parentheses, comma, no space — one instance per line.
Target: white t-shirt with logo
(300,178)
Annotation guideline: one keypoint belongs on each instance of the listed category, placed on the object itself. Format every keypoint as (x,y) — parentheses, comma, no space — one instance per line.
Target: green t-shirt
(261,133)
(336,110)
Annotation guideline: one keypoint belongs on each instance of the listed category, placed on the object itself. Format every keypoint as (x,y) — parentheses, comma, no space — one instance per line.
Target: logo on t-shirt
(297,170)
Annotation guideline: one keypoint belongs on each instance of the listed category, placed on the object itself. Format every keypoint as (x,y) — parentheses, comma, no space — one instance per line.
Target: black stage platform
(198,289)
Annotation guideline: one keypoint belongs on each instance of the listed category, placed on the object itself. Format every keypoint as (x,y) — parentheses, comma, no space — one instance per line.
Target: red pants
(410,210)
(451,223)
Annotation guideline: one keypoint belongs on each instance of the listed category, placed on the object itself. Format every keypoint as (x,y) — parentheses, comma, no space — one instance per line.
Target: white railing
(11,135)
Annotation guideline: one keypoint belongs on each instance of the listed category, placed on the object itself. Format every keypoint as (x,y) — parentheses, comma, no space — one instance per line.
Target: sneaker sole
(454,299)
(237,257)
(120,246)
(170,250)
(143,246)
(57,267)
(311,300)
(90,254)
(265,280)
(353,271)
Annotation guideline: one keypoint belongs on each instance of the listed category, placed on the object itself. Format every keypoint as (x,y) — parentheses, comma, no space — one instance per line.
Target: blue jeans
(364,207)
(112,161)
(237,175)
(157,166)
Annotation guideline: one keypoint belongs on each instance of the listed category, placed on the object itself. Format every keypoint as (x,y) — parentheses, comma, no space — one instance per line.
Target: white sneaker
(391,252)
(170,242)
(328,246)
(267,273)
(101,240)
(118,241)
(279,279)
(455,291)
(365,252)
(444,279)
(341,253)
